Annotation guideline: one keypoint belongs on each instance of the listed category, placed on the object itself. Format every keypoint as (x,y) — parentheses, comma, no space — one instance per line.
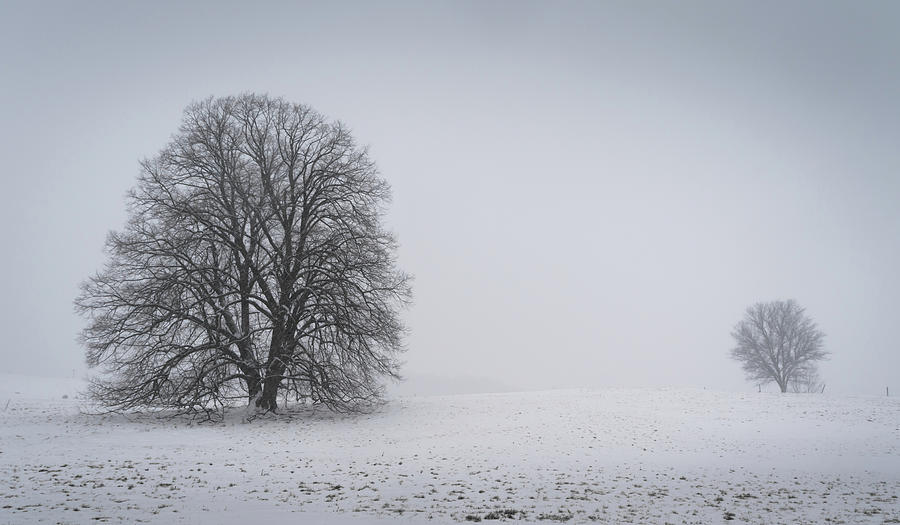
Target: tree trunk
(254,386)
(251,374)
(268,401)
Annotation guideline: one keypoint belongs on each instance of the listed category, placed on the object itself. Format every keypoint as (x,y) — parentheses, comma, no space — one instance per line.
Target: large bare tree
(253,265)
(777,341)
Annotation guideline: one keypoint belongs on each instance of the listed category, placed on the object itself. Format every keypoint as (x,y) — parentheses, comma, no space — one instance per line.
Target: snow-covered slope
(640,456)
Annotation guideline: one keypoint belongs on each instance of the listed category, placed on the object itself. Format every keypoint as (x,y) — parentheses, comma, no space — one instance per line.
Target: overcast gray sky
(588,194)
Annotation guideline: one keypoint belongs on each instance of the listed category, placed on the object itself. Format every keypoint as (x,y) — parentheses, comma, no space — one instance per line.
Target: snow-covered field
(613,456)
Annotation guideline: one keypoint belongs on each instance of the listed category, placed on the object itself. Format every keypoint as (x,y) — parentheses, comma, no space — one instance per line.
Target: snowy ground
(616,456)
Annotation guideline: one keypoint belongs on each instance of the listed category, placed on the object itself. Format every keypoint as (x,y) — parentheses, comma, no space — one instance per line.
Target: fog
(588,194)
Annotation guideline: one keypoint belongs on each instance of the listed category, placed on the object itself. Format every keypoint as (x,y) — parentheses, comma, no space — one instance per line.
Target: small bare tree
(253,265)
(777,342)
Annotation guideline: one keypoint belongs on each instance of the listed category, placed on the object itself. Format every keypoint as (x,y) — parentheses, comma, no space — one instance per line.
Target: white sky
(589,194)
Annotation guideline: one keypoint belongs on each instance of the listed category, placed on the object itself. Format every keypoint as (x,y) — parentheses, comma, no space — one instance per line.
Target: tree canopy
(254,264)
(777,341)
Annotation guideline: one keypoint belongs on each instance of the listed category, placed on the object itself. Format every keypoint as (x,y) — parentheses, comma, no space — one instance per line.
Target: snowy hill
(640,456)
